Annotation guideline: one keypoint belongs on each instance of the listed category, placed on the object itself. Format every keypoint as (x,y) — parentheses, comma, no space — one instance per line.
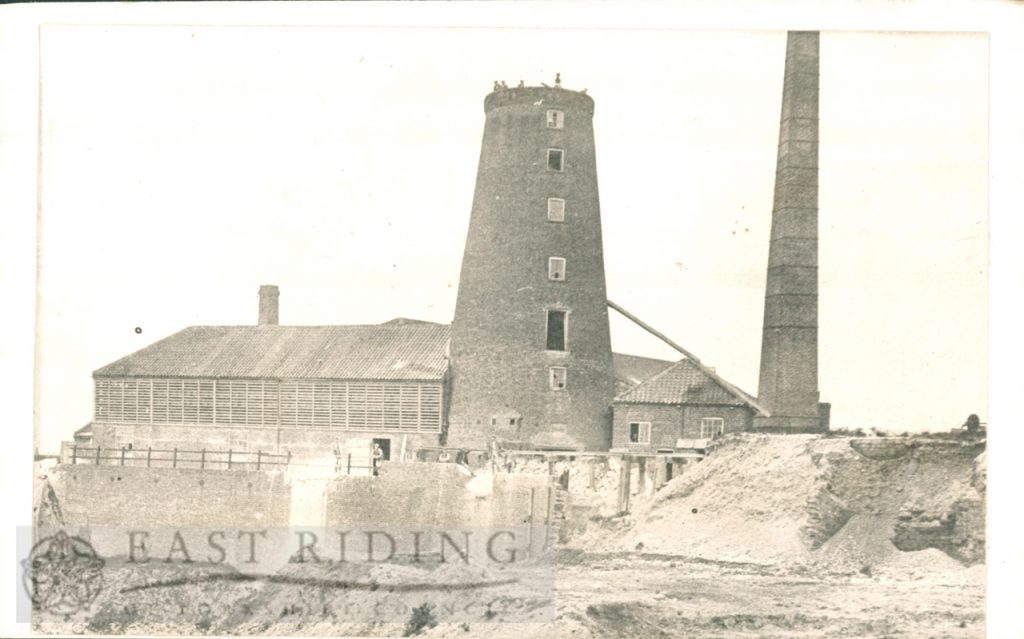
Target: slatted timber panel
(406,406)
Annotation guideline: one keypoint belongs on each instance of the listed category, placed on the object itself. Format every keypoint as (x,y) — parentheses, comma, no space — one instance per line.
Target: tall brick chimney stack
(788,386)
(268,304)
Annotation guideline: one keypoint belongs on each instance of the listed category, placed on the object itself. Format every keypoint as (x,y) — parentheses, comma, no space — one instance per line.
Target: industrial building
(308,390)
(676,406)
(527,360)
(304,389)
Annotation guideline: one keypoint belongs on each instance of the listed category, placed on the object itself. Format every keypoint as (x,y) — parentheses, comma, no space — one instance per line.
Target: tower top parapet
(542,95)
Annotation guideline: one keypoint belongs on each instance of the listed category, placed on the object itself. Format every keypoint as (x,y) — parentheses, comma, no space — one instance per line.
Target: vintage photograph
(447,331)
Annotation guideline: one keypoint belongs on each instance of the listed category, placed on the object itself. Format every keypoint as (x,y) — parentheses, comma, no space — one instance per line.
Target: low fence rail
(174,458)
(213,459)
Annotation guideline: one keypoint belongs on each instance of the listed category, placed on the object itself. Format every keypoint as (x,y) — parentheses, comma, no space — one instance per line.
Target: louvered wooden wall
(363,405)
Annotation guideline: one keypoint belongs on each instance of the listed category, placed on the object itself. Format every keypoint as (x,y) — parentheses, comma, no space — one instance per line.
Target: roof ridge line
(734,390)
(652,378)
(728,387)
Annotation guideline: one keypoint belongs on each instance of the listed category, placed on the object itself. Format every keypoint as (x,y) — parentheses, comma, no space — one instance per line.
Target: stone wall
(124,496)
(403,494)
(434,498)
(105,503)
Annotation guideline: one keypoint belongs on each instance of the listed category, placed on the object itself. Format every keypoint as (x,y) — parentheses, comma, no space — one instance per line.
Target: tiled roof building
(684,383)
(681,403)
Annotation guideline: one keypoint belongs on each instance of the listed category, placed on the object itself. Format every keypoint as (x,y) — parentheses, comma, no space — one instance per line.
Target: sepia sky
(184,166)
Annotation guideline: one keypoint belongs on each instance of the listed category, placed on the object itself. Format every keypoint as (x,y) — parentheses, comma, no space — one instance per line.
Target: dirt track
(596,595)
(635,595)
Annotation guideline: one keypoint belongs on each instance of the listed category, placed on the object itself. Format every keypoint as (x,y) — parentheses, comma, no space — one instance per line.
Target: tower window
(556,119)
(556,209)
(555,159)
(556,269)
(556,330)
(640,432)
(557,376)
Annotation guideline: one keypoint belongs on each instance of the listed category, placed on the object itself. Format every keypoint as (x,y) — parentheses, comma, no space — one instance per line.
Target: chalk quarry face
(867,524)
(845,502)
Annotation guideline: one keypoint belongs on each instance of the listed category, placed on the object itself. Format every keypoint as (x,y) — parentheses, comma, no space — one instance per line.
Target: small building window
(557,377)
(556,269)
(640,432)
(556,335)
(556,209)
(712,427)
(556,119)
(555,157)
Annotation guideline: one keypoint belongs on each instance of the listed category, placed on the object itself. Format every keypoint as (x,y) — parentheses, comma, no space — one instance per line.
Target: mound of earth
(839,503)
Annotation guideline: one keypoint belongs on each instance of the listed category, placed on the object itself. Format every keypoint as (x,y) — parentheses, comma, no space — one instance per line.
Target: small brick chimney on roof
(268,304)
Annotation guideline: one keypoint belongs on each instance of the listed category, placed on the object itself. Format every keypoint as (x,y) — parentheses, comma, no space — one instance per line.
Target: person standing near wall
(378,456)
(495,455)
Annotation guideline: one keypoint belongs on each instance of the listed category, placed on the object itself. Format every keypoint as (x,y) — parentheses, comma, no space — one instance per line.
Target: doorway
(385,446)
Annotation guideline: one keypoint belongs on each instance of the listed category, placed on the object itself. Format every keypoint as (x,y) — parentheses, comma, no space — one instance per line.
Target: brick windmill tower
(530,351)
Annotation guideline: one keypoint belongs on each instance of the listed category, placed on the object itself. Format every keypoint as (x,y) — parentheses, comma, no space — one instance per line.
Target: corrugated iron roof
(684,383)
(391,351)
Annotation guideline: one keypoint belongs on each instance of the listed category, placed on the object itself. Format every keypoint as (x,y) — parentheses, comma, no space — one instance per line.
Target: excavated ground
(771,536)
(838,503)
(596,595)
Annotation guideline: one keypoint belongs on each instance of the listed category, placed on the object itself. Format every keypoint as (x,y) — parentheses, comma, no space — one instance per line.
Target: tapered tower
(530,347)
(788,386)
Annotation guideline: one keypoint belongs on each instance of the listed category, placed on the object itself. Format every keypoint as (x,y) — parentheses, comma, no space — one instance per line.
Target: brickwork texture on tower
(514,376)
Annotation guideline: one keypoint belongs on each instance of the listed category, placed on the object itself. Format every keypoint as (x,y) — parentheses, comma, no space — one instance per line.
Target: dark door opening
(385,447)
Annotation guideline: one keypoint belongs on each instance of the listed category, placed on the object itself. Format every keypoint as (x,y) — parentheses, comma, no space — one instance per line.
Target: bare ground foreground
(771,536)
